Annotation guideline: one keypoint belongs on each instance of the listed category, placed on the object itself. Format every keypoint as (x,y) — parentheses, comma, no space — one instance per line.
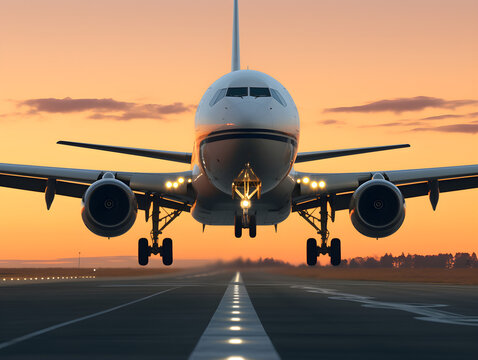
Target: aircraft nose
(247,112)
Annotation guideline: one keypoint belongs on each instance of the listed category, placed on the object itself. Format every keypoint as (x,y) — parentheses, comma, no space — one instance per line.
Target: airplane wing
(412,183)
(74,182)
(327,154)
(181,157)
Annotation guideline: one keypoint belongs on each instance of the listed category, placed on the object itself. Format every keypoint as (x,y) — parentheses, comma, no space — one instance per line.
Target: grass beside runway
(425,275)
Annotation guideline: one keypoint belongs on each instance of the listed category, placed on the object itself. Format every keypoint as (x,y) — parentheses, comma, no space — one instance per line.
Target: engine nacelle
(377,208)
(109,207)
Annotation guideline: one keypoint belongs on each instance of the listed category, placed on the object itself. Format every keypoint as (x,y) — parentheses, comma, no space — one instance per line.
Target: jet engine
(377,208)
(109,207)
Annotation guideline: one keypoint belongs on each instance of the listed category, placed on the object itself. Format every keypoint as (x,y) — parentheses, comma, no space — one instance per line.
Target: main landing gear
(313,250)
(166,248)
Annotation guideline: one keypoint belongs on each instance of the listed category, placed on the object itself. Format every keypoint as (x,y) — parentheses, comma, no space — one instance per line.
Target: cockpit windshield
(260,92)
(242,92)
(237,92)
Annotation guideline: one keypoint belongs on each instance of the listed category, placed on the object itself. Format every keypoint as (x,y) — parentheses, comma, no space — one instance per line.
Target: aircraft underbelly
(213,207)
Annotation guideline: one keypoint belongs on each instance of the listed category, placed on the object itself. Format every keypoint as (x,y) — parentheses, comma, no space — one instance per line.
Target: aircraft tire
(238,226)
(311,252)
(334,252)
(167,251)
(143,252)
(252,226)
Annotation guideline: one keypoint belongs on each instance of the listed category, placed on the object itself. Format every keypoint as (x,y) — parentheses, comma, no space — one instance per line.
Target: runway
(231,315)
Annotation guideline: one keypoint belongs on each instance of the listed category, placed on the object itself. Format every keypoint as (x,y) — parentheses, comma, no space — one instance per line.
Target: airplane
(241,174)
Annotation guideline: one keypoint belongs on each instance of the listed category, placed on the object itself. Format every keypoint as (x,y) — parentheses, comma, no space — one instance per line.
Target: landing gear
(250,223)
(246,186)
(313,251)
(166,248)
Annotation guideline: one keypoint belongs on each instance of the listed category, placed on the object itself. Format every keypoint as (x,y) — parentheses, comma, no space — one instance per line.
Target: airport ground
(218,314)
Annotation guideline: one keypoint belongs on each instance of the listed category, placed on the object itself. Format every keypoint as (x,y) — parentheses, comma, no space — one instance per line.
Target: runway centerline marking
(66,323)
(235,331)
(427,312)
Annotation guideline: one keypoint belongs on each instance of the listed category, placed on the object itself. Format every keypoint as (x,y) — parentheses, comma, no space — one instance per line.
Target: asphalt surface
(165,317)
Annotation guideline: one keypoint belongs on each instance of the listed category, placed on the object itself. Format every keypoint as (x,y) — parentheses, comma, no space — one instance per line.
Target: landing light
(245,204)
(169,184)
(305,180)
(314,185)
(180,180)
(175,185)
(321,184)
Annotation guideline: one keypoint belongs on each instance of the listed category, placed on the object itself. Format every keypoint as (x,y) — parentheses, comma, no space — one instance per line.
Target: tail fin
(236,56)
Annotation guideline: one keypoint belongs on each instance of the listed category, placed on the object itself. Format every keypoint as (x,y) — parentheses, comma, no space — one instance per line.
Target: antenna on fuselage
(236,56)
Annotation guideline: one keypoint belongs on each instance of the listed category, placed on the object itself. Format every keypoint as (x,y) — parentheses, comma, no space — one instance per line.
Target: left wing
(74,182)
(412,183)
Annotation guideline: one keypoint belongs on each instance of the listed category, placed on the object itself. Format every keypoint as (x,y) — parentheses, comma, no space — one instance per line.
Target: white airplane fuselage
(245,117)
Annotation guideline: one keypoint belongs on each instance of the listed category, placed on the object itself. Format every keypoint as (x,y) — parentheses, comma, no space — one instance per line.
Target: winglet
(236,56)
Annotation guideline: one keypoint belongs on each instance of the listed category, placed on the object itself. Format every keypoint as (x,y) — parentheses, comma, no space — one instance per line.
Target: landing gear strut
(166,248)
(246,186)
(320,225)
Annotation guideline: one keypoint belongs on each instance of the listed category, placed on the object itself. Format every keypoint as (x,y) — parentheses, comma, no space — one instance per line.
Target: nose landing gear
(313,251)
(246,186)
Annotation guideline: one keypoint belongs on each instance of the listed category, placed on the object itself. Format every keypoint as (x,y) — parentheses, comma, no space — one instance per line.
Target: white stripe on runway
(66,323)
(235,332)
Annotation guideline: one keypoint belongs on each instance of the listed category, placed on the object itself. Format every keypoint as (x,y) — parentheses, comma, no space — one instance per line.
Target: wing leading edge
(182,157)
(327,154)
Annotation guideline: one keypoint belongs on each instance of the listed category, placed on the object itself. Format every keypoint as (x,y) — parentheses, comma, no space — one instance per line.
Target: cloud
(451,116)
(330,122)
(404,104)
(455,128)
(104,108)
(396,124)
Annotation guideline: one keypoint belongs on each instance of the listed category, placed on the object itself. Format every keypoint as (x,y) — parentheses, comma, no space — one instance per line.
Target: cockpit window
(260,92)
(276,95)
(218,96)
(237,91)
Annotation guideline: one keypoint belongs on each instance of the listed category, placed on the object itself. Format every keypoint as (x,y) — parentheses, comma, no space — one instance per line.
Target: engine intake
(377,208)
(109,207)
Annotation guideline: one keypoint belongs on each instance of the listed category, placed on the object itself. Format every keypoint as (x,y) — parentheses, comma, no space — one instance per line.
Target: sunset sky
(340,60)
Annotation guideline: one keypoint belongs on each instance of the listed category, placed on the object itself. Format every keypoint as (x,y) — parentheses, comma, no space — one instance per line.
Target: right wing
(412,183)
(74,182)
(327,154)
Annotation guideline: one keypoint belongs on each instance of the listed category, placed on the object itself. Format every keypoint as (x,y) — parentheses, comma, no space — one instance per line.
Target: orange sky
(327,53)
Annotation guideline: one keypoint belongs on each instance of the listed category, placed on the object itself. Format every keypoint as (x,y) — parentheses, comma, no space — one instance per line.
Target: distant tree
(464,260)
(387,261)
(371,262)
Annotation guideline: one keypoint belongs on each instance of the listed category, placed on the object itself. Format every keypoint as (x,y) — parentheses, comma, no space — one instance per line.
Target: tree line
(443,261)
(460,260)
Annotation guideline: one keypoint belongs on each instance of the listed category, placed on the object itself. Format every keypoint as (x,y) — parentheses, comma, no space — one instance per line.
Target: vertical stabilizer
(236,56)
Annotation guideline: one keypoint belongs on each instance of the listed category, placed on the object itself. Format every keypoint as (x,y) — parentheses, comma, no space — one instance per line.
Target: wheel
(334,252)
(238,226)
(143,252)
(311,252)
(167,251)
(252,226)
